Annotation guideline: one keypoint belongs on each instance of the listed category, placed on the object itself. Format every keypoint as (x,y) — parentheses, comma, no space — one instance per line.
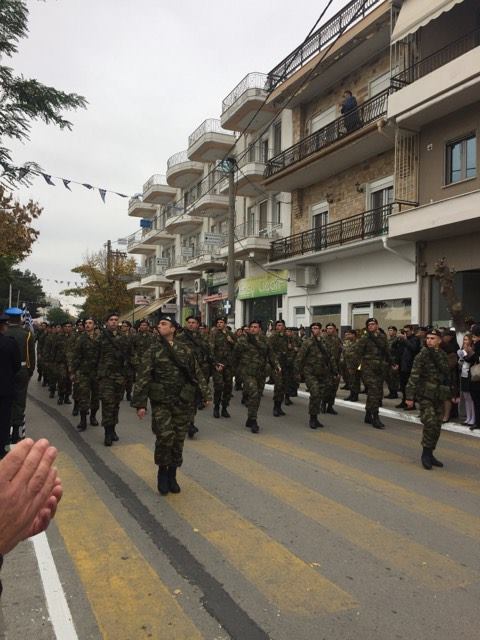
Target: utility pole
(230,306)
(109,262)
(10,295)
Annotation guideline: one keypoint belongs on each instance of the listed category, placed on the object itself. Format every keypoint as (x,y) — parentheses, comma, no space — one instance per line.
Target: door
(319,225)
(380,198)
(262,218)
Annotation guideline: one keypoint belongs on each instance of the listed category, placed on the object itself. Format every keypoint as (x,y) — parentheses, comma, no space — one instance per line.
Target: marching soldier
(349,363)
(10,359)
(84,367)
(279,345)
(291,387)
(168,375)
(374,356)
(47,354)
(112,367)
(429,382)
(127,332)
(315,364)
(60,363)
(221,346)
(26,344)
(392,375)
(79,329)
(252,354)
(334,346)
(40,340)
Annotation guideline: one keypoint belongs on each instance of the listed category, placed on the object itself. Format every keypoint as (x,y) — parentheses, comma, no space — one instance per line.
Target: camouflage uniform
(251,356)
(392,376)
(47,355)
(172,396)
(40,341)
(60,376)
(291,385)
(221,345)
(374,356)
(72,339)
(26,344)
(112,365)
(129,368)
(84,366)
(315,364)
(429,383)
(279,345)
(334,347)
(349,366)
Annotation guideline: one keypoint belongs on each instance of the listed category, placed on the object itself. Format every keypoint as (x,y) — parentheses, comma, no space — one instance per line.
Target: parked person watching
(465,380)
(472,358)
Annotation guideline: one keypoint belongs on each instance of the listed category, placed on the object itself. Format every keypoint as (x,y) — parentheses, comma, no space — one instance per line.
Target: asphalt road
(291,534)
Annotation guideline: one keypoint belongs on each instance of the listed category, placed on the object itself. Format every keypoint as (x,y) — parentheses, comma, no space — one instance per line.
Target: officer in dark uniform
(26,344)
(10,363)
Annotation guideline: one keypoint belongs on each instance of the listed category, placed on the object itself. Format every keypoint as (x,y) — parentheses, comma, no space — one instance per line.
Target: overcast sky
(152,71)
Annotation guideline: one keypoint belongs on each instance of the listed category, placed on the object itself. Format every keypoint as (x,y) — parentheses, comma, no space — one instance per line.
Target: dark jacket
(10,364)
(410,347)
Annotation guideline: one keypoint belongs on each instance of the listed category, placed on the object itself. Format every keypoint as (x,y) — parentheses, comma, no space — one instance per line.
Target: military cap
(110,314)
(221,318)
(369,320)
(172,321)
(434,332)
(14,312)
(316,324)
(331,324)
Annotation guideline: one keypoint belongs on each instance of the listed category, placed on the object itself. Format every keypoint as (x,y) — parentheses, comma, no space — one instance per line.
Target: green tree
(57,315)
(24,100)
(26,287)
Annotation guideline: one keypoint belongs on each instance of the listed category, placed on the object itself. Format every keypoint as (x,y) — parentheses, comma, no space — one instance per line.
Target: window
(327,313)
(379,84)
(322,119)
(265,150)
(319,223)
(461,160)
(277,138)
(277,211)
(251,221)
(262,217)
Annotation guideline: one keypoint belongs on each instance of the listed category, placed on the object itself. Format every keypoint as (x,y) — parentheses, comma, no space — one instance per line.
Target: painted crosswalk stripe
(426,566)
(127,597)
(284,579)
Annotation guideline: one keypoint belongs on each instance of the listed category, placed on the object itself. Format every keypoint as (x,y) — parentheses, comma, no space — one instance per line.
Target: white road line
(60,616)
(395,415)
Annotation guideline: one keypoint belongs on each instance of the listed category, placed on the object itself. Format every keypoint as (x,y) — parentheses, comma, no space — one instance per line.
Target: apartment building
(436,107)
(340,172)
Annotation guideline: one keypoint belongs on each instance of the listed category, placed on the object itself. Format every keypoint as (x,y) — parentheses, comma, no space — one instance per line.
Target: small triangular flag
(103,193)
(48,179)
(122,195)
(66,184)
(88,186)
(22,172)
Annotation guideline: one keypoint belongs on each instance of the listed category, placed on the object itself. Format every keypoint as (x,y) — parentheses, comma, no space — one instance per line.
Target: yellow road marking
(428,567)
(450,517)
(127,597)
(284,579)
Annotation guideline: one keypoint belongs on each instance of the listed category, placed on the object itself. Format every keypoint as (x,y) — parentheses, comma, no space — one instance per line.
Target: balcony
(157,191)
(137,208)
(181,269)
(253,239)
(352,37)
(205,198)
(345,142)
(312,243)
(181,171)
(439,84)
(138,243)
(183,223)
(244,108)
(250,170)
(207,258)
(158,234)
(155,277)
(209,142)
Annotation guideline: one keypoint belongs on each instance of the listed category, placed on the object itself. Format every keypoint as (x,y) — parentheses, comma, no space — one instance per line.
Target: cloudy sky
(152,71)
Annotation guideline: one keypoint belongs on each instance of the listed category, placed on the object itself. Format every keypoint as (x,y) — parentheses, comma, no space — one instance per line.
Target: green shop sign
(260,286)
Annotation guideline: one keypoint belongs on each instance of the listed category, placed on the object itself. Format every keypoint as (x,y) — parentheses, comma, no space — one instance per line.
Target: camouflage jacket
(200,346)
(59,349)
(222,344)
(350,354)
(161,379)
(85,354)
(48,343)
(279,345)
(114,353)
(252,354)
(40,340)
(430,371)
(373,348)
(315,358)
(335,347)
(140,343)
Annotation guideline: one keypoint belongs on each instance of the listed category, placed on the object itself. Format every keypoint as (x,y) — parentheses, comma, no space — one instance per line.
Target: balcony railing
(157,178)
(268,230)
(360,227)
(250,81)
(254,153)
(353,12)
(136,238)
(365,114)
(209,184)
(211,125)
(154,270)
(177,158)
(437,59)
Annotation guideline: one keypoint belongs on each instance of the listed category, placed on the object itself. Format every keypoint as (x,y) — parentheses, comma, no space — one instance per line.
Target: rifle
(174,358)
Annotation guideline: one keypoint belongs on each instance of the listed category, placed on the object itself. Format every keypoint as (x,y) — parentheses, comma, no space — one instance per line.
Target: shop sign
(217,239)
(261,286)
(141,300)
(187,252)
(216,279)
(162,262)
(215,297)
(169,308)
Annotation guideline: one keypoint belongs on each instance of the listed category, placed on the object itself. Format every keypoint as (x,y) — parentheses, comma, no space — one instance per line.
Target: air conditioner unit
(199,285)
(306,276)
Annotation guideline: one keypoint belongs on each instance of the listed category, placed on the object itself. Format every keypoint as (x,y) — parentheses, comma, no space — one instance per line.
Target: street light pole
(230,307)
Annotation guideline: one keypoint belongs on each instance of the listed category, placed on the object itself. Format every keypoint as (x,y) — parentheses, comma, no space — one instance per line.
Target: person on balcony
(348,109)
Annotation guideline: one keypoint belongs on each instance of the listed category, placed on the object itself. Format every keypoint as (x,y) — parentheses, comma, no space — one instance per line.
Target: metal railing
(250,81)
(154,270)
(177,158)
(136,238)
(211,125)
(157,178)
(254,153)
(437,59)
(210,184)
(267,230)
(359,227)
(353,12)
(363,115)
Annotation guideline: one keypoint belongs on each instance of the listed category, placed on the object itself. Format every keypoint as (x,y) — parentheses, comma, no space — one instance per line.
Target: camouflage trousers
(111,392)
(317,388)
(352,379)
(331,386)
(278,386)
(20,386)
(252,392)
(373,376)
(170,425)
(222,385)
(86,393)
(289,376)
(431,415)
(392,378)
(60,379)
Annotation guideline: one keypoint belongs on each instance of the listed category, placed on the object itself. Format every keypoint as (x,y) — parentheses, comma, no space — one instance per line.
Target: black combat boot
(51,393)
(173,485)
(225,413)
(288,402)
(129,396)
(82,426)
(368,417)
(314,422)
(323,406)
(277,409)
(163,481)
(216,411)
(435,462)
(93,419)
(108,441)
(115,437)
(60,399)
(192,430)
(393,395)
(66,399)
(426,458)
(353,397)
(75,409)
(376,422)
(238,386)
(330,409)
(254,428)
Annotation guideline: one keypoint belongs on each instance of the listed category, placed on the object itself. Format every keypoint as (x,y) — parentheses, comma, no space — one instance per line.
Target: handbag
(475,372)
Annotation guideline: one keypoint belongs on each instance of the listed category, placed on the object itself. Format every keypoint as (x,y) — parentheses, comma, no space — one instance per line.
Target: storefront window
(467,285)
(262,309)
(393,312)
(327,313)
